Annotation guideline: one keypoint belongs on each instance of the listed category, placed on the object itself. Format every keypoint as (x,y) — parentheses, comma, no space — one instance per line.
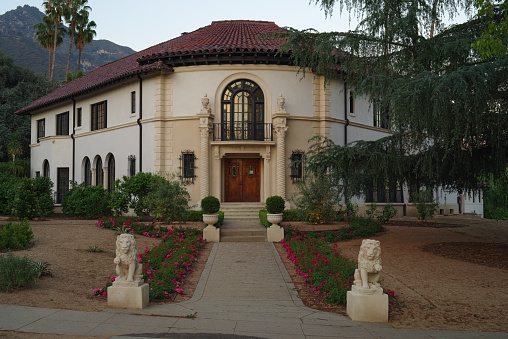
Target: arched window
(111,173)
(87,172)
(45,169)
(243,113)
(99,172)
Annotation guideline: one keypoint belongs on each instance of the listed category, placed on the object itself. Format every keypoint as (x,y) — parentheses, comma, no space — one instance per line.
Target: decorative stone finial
(280,102)
(205,101)
(369,267)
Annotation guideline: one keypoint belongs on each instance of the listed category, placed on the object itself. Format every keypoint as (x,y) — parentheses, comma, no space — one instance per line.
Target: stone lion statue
(128,267)
(369,265)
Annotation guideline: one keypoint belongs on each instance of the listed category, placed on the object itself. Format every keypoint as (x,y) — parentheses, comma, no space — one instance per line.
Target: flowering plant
(167,264)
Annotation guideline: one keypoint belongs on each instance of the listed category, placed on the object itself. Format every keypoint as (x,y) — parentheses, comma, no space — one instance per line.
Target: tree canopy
(446,106)
(18,88)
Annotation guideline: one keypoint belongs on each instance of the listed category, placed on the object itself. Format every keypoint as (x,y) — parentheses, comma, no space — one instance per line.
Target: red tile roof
(220,36)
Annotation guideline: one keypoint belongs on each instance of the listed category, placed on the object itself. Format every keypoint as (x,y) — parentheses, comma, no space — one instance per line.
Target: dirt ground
(435,290)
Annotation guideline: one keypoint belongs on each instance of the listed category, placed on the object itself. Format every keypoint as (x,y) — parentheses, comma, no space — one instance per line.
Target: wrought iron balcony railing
(242,131)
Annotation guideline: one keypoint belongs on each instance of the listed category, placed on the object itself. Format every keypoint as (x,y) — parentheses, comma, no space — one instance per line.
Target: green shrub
(275,204)
(317,199)
(293,215)
(210,205)
(496,197)
(16,272)
(168,200)
(86,201)
(8,187)
(193,215)
(263,218)
(221,219)
(426,206)
(132,192)
(383,216)
(16,236)
(34,198)
(358,227)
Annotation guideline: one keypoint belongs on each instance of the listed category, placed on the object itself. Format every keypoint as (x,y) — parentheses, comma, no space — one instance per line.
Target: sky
(142,24)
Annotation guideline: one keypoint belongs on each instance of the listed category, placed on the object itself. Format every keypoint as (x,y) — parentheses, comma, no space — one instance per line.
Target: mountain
(17,39)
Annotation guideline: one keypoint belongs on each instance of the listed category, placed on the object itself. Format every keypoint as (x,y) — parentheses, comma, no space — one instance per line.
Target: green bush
(317,199)
(86,201)
(168,200)
(132,192)
(426,206)
(358,227)
(16,236)
(34,198)
(263,218)
(8,187)
(293,215)
(383,216)
(16,273)
(210,205)
(496,197)
(193,215)
(275,204)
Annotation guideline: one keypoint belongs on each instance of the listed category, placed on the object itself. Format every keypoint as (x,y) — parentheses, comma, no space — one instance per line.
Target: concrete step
(241,210)
(243,232)
(243,239)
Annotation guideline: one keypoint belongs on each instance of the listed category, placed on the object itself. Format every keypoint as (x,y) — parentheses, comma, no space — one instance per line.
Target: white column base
(211,233)
(369,308)
(274,233)
(128,297)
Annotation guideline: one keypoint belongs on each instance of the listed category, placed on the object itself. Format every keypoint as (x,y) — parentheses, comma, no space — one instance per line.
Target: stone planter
(274,233)
(274,219)
(210,219)
(211,233)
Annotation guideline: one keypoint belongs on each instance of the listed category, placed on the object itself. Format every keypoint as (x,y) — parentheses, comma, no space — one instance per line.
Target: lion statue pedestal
(366,300)
(128,290)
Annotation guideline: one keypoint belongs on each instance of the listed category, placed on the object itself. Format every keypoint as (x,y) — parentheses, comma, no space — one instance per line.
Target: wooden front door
(242,180)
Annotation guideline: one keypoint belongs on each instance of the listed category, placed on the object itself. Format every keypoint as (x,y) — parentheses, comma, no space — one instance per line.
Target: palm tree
(54,10)
(45,33)
(74,12)
(15,145)
(85,32)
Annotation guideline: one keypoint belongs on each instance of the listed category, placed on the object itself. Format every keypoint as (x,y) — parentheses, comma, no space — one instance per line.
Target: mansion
(218,107)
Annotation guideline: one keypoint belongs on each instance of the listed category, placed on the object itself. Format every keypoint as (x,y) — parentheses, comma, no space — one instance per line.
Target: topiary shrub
(210,205)
(275,204)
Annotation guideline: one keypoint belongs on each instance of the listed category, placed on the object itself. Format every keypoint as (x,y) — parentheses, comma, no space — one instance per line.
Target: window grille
(187,167)
(297,166)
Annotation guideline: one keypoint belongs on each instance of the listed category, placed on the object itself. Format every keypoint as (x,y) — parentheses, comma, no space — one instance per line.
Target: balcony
(242,131)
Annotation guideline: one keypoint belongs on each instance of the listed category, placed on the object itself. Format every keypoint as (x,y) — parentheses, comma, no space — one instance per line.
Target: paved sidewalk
(244,291)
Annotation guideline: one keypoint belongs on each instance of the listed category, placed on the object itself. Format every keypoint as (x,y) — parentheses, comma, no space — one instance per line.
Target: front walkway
(244,291)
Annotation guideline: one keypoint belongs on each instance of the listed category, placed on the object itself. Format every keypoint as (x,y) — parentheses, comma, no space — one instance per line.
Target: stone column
(205,127)
(280,127)
(94,177)
(105,177)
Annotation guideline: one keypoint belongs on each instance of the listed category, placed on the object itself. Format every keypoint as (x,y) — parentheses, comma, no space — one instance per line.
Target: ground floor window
(187,167)
(297,166)
(99,172)
(62,185)
(111,173)
(87,172)
(384,193)
(131,165)
(45,169)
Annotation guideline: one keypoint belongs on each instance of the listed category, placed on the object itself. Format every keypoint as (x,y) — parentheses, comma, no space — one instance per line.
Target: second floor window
(62,124)
(99,116)
(78,118)
(133,102)
(41,129)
